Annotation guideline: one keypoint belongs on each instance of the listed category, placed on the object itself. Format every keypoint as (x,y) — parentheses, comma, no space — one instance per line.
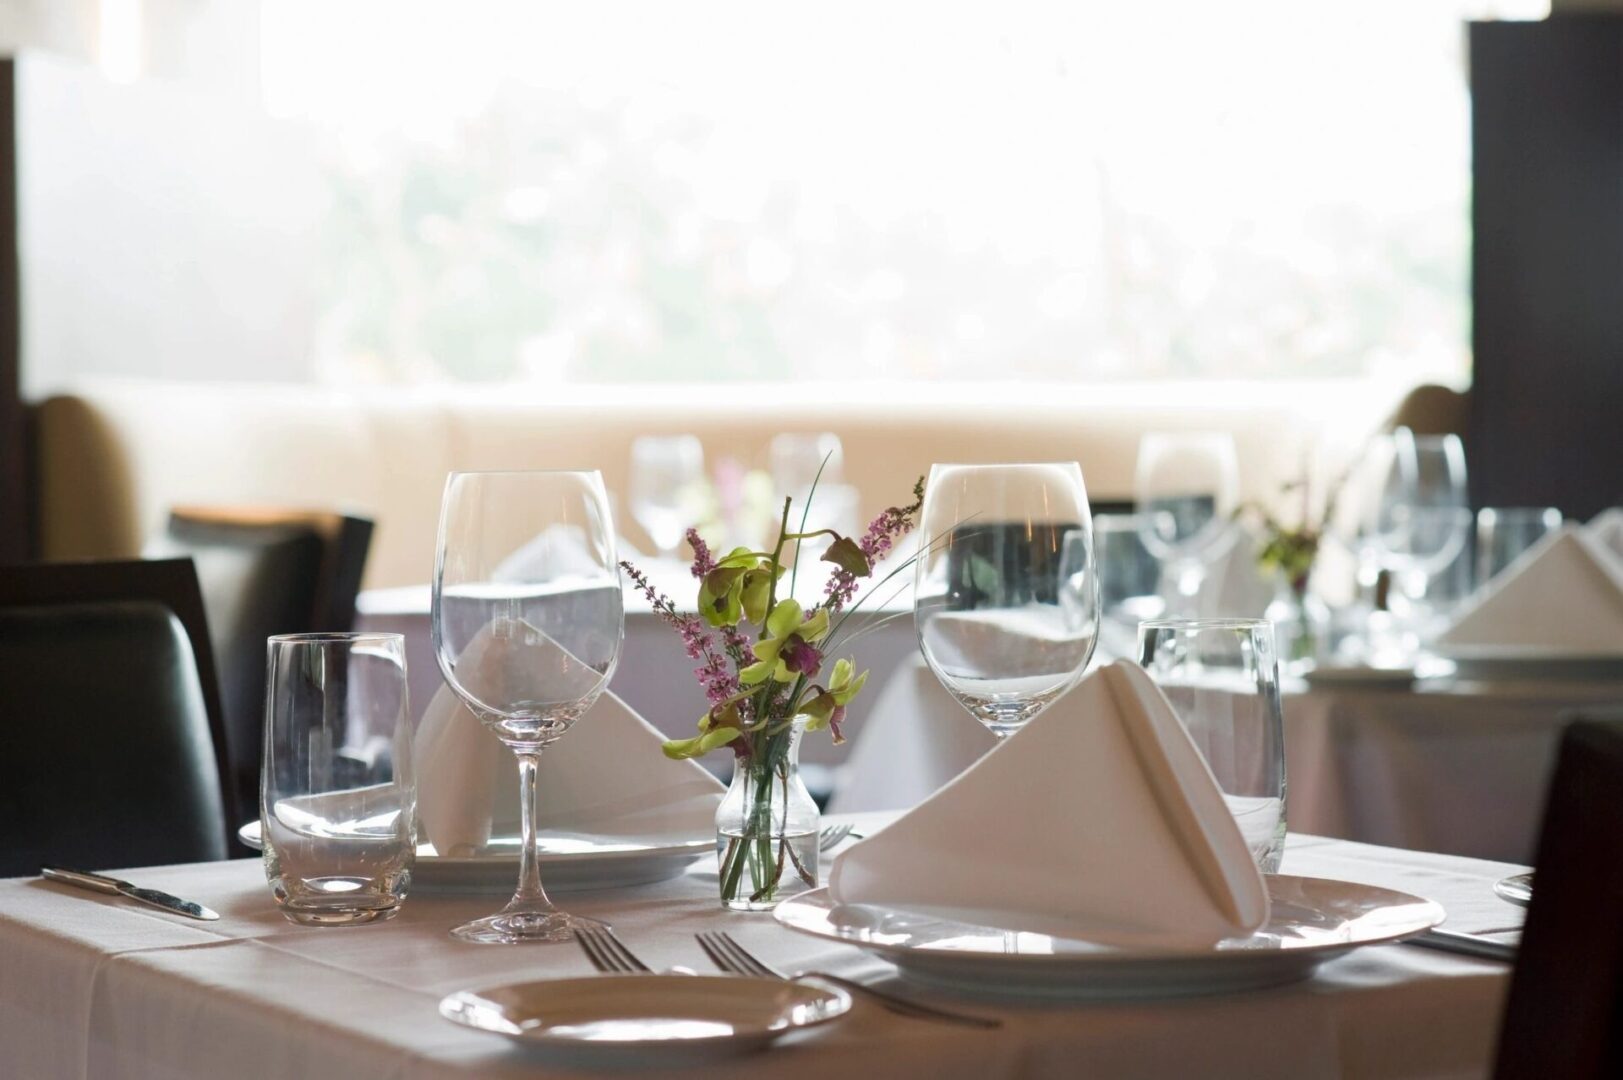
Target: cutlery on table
(607,953)
(1465,944)
(732,957)
(114,887)
(831,836)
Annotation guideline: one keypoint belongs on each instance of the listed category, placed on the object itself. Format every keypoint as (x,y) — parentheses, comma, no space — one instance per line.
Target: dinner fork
(607,953)
(732,957)
(831,836)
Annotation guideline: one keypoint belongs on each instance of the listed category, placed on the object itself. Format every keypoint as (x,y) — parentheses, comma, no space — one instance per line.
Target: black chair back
(1564,1016)
(264,572)
(111,714)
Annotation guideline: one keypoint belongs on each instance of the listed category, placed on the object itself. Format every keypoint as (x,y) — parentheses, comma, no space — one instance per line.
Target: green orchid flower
(739,586)
(827,708)
(717,727)
(788,650)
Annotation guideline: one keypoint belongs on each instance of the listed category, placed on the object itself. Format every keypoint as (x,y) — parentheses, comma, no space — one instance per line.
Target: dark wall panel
(1547,140)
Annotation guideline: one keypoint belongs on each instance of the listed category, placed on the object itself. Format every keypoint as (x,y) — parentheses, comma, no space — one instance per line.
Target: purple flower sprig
(713,672)
(876,543)
(703,560)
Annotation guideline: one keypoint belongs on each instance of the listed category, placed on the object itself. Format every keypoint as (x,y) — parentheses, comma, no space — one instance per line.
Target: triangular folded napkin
(1607,527)
(1563,595)
(1098,821)
(605,777)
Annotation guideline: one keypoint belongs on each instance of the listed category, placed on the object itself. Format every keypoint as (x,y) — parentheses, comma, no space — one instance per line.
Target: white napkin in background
(1563,594)
(1097,821)
(1607,527)
(606,776)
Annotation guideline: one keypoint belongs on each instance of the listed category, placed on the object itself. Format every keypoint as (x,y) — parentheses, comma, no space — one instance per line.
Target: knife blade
(115,887)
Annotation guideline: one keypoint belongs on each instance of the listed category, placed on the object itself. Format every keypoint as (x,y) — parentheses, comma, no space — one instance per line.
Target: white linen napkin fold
(1562,595)
(1607,527)
(605,777)
(1099,821)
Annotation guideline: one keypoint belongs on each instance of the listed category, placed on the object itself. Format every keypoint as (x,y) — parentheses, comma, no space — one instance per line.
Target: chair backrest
(264,571)
(1564,1015)
(112,718)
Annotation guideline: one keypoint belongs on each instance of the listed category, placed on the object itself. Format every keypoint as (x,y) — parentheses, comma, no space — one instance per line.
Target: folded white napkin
(1607,527)
(1563,594)
(1099,821)
(605,777)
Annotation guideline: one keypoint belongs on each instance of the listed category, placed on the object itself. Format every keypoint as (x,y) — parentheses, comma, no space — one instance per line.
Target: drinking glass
(1006,598)
(1128,573)
(1186,487)
(1503,533)
(527,623)
(667,472)
(337,796)
(1422,523)
(796,457)
(1222,678)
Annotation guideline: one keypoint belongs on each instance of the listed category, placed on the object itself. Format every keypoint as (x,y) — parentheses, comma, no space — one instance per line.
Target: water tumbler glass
(337,797)
(1222,678)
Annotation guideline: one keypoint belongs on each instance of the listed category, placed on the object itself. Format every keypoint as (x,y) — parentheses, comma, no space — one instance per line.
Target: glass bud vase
(1301,626)
(766,828)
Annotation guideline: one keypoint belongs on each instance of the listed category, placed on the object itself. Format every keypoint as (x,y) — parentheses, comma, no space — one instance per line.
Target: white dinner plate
(1532,662)
(658,1019)
(570,862)
(1312,920)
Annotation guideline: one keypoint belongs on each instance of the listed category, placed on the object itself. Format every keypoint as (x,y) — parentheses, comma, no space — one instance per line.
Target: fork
(732,957)
(831,836)
(607,953)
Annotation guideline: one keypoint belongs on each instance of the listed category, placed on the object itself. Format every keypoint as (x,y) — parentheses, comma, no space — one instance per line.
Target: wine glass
(1422,519)
(666,471)
(1186,487)
(527,623)
(1006,597)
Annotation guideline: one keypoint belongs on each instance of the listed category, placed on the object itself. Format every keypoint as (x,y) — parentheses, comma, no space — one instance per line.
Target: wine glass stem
(530,892)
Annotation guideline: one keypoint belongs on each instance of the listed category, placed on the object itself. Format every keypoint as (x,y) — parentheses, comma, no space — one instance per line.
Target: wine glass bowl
(666,473)
(1186,486)
(1006,597)
(527,622)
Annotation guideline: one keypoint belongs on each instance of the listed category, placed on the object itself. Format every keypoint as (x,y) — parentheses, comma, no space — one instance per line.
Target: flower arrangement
(1291,552)
(763,664)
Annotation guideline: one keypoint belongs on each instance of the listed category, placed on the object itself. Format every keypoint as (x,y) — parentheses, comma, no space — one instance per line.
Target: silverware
(114,887)
(831,836)
(1464,944)
(730,956)
(607,953)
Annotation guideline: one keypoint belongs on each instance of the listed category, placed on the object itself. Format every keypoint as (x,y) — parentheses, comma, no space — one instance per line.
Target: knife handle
(82,879)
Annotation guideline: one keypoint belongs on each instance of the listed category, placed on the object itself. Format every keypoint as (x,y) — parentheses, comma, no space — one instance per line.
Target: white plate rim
(1122,957)
(550,1038)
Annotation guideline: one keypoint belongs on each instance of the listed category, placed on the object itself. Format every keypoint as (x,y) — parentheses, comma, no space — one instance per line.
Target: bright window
(653,192)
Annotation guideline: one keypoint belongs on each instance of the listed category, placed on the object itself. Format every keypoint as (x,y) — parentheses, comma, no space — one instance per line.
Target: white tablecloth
(92,986)
(1459,767)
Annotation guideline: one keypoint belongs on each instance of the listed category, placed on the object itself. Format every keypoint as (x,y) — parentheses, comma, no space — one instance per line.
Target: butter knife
(1465,944)
(113,886)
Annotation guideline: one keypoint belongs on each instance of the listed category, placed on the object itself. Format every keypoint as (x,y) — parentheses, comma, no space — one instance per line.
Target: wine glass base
(525,928)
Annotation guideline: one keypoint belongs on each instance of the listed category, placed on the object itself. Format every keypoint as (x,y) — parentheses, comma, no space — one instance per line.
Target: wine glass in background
(1503,533)
(1221,677)
(795,458)
(1006,598)
(1128,578)
(667,474)
(1186,487)
(527,624)
(1422,524)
